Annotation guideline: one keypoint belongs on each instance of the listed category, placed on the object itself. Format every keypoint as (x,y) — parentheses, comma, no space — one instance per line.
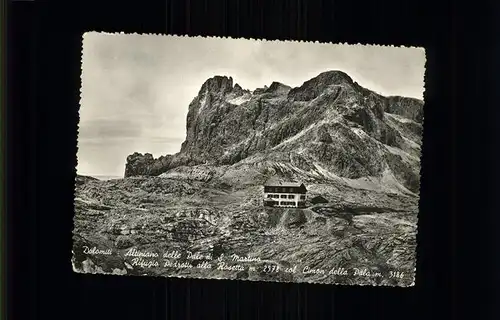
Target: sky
(136,89)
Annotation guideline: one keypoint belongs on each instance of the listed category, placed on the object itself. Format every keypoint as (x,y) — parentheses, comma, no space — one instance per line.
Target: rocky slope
(356,229)
(357,150)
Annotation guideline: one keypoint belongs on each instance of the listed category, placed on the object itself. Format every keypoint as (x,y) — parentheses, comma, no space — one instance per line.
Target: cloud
(109,129)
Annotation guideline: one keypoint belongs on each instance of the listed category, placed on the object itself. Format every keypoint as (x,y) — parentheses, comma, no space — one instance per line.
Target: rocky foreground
(371,231)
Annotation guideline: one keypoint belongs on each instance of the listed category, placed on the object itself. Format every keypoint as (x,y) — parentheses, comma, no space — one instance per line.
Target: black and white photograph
(247,159)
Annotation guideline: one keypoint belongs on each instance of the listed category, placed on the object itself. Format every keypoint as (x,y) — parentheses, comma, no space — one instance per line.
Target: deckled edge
(158,277)
(180,36)
(421,169)
(412,284)
(76,156)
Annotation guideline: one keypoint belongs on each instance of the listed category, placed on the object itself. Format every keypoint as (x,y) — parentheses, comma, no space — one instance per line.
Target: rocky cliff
(328,129)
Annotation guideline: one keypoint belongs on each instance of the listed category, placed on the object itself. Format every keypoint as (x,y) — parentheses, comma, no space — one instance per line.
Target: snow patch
(203,102)
(399,118)
(406,156)
(325,173)
(389,181)
(239,100)
(359,132)
(411,143)
(364,183)
(386,183)
(300,134)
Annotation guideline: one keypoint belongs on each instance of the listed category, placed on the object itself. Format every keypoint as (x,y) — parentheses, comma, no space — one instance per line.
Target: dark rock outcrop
(318,199)
(406,107)
(83,179)
(278,88)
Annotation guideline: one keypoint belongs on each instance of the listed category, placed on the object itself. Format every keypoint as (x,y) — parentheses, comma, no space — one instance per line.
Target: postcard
(243,159)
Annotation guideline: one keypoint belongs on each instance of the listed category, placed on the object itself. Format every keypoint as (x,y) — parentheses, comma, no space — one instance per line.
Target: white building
(285,194)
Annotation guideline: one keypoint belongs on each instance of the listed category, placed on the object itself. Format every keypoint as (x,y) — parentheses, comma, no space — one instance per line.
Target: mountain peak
(238,90)
(313,87)
(278,87)
(332,77)
(217,83)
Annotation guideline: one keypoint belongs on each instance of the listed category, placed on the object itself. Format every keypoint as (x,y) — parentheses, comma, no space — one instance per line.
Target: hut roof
(276,183)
